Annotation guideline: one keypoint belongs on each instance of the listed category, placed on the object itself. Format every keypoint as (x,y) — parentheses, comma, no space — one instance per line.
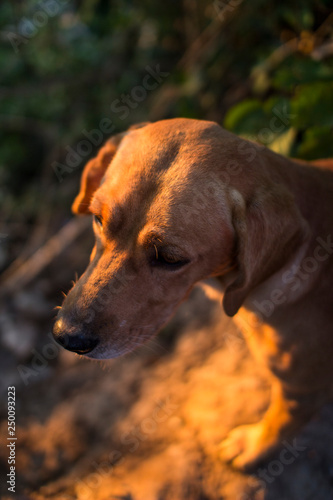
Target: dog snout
(80,343)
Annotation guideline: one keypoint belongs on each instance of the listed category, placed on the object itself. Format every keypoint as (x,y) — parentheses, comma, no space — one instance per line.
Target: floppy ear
(268,229)
(95,169)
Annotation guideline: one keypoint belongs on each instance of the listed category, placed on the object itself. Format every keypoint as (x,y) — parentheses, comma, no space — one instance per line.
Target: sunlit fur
(228,208)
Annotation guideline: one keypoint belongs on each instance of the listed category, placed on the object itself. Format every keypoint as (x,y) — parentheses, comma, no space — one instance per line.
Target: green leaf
(313,106)
(246,117)
(317,143)
(298,70)
(283,143)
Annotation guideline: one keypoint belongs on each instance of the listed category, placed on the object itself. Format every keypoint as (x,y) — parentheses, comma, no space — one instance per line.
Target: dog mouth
(137,337)
(106,353)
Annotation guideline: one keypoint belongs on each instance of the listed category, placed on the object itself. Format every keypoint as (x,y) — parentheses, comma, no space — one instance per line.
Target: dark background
(234,63)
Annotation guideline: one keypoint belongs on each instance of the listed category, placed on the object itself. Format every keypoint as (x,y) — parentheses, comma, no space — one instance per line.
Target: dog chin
(111,352)
(106,353)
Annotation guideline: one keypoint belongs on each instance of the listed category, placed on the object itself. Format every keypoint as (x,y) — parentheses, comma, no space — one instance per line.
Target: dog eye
(98,220)
(167,260)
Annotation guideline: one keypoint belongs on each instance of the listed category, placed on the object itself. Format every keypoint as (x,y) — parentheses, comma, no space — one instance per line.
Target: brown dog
(181,200)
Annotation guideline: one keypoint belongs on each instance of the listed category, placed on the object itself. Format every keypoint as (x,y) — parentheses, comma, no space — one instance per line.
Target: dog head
(172,203)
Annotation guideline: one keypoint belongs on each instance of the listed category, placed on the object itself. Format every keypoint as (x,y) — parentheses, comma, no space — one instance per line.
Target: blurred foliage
(262,68)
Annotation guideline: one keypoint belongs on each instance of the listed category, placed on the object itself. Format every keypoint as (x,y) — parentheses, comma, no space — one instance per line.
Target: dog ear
(268,229)
(95,169)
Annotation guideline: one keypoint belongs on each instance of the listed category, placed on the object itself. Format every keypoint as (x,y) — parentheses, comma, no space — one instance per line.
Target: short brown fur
(214,205)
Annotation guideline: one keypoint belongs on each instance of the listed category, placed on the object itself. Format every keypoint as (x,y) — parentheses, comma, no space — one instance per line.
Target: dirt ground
(147,426)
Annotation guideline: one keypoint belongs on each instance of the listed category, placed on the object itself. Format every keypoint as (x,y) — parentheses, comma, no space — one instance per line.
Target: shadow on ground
(147,426)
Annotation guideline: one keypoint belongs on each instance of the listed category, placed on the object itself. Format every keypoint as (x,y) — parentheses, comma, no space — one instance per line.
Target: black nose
(79,343)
